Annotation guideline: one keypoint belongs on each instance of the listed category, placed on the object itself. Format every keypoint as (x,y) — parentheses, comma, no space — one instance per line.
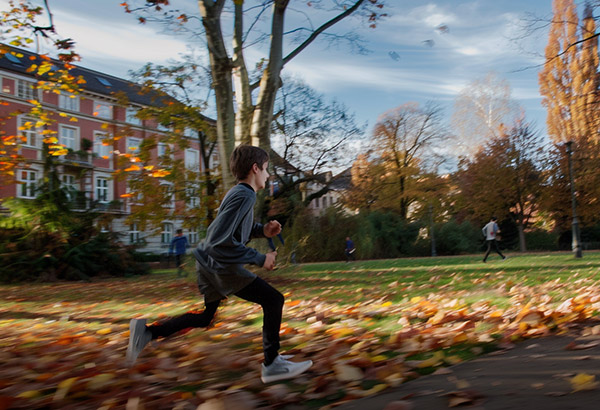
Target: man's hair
(180,231)
(244,157)
(493,218)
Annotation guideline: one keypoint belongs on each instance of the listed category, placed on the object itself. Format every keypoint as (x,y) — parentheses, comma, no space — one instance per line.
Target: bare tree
(245,104)
(480,110)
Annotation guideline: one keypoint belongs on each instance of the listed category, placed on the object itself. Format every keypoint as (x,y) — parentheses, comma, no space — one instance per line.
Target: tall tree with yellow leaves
(569,80)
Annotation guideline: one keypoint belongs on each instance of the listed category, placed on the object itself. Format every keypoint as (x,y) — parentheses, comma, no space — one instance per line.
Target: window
(324,202)
(102,189)
(105,227)
(193,200)
(192,159)
(167,231)
(131,116)
(161,149)
(27,129)
(25,89)
(214,160)
(68,181)
(27,180)
(104,81)
(134,234)
(68,102)
(192,235)
(68,137)
(102,110)
(133,145)
(102,147)
(316,202)
(167,192)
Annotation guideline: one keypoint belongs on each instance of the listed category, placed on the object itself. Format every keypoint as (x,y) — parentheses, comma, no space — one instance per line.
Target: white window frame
(69,181)
(68,102)
(133,142)
(62,139)
(167,233)
(103,110)
(134,234)
(192,159)
(161,149)
(27,179)
(168,188)
(24,89)
(102,189)
(131,116)
(100,149)
(193,200)
(192,235)
(31,134)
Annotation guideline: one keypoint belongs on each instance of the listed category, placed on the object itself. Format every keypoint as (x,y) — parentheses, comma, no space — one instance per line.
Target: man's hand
(271,229)
(270,260)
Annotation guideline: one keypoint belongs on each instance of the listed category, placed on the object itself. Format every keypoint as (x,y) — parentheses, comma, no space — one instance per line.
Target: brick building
(92,116)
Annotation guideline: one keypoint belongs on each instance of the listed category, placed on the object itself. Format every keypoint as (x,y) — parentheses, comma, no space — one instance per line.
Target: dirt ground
(550,373)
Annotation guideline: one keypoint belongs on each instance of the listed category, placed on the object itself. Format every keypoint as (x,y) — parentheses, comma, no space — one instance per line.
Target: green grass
(399,279)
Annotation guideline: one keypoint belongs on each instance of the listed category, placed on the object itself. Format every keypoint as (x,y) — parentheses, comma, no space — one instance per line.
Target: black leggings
(492,244)
(258,291)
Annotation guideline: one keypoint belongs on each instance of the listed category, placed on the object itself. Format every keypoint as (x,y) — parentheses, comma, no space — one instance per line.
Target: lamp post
(576,242)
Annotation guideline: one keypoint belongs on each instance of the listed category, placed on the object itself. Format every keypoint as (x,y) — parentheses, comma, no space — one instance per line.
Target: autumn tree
(182,85)
(404,144)
(20,27)
(569,79)
(244,97)
(505,178)
(479,111)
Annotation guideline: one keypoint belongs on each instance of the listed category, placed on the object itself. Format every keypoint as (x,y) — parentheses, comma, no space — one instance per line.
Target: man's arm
(223,245)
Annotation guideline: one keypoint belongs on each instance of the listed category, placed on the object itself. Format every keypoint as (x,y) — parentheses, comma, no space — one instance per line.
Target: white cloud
(124,45)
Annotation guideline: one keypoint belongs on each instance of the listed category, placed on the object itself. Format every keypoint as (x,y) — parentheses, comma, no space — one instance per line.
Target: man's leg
(489,248)
(271,300)
(498,249)
(185,321)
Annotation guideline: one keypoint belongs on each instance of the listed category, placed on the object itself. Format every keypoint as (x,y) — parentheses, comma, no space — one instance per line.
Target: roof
(96,82)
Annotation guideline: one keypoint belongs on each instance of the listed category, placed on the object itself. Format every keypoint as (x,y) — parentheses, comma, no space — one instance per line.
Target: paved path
(534,375)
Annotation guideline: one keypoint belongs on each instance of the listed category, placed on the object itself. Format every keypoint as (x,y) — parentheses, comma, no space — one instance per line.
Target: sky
(423,51)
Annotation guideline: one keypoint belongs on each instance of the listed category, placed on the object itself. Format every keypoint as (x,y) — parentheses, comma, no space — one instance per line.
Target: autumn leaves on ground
(367,326)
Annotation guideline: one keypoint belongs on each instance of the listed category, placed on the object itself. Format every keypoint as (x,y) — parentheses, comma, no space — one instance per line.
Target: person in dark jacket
(350,249)
(180,244)
(220,260)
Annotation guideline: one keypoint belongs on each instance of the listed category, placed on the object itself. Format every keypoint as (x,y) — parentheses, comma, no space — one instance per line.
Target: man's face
(263,175)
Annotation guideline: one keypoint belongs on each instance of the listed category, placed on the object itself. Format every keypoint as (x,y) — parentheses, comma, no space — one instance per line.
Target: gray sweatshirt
(222,254)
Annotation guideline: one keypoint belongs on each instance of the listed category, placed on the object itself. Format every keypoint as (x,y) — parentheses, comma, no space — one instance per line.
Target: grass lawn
(367,325)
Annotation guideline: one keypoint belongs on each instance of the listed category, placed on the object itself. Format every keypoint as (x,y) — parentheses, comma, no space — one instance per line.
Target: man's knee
(278,300)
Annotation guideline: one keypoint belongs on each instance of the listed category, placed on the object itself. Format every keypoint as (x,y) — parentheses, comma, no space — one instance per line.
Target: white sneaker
(283,369)
(139,337)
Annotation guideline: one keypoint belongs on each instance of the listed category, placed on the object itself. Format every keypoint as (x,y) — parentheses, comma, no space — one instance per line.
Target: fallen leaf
(584,381)
(576,346)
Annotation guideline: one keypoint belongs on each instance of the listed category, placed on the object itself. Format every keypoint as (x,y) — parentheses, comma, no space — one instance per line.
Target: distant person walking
(490,231)
(180,244)
(350,249)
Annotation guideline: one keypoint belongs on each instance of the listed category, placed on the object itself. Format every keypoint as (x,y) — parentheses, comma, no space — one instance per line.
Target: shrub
(540,240)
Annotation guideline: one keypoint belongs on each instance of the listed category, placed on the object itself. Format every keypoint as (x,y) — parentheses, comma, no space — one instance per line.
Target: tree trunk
(522,244)
(241,81)
(270,81)
(221,69)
